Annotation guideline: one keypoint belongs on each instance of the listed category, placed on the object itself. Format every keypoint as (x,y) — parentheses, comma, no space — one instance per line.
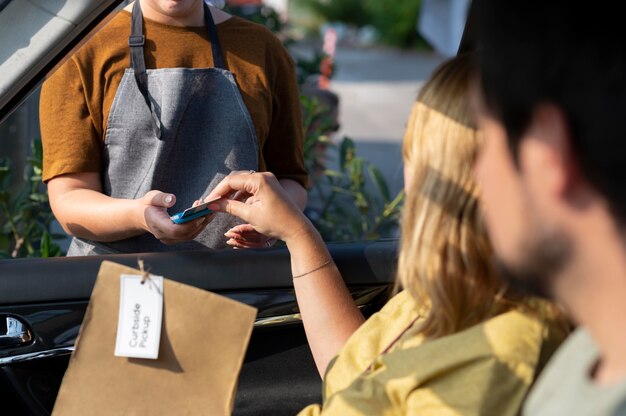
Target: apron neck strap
(216,46)
(137,62)
(137,40)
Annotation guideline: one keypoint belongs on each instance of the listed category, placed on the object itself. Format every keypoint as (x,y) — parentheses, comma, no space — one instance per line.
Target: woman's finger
(232,207)
(241,196)
(257,239)
(237,244)
(239,236)
(242,228)
(236,181)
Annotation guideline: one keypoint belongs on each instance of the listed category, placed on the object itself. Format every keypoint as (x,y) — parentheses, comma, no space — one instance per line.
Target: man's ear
(550,140)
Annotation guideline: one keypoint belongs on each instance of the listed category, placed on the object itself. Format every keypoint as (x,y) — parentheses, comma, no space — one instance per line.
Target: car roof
(36,35)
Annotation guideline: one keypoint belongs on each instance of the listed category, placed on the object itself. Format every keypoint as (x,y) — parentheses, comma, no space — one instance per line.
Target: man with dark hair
(552,105)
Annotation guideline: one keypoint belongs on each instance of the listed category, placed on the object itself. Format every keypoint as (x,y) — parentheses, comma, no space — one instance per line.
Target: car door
(42,303)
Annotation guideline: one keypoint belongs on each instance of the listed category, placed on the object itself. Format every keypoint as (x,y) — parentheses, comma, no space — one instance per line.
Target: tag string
(145,275)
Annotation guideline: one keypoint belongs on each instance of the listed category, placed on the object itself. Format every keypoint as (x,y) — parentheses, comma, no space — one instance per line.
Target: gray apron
(176,130)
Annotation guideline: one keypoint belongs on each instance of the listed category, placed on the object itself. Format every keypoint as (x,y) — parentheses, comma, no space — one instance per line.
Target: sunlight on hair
(446,257)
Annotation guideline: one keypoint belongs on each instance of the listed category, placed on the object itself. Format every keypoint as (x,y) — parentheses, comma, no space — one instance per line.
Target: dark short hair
(567,53)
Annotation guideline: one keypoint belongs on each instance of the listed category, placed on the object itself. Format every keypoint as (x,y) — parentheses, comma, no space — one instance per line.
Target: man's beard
(543,259)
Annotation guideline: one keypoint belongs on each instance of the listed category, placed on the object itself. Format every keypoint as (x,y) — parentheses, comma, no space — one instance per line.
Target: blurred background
(360,65)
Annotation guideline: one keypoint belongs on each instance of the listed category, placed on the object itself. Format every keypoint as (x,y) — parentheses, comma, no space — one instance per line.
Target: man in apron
(153,112)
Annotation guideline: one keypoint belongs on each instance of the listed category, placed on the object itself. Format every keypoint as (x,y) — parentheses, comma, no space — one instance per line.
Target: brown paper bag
(203,340)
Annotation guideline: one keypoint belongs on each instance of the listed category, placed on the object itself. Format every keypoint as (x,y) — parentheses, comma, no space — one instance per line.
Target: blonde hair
(446,257)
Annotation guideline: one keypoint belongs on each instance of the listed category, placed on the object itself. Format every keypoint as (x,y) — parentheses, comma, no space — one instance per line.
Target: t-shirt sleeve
(284,148)
(70,141)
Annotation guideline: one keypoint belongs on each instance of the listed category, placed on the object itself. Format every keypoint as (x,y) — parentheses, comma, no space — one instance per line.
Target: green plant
(396,21)
(350,203)
(317,124)
(263,15)
(354,202)
(26,214)
(309,67)
(353,12)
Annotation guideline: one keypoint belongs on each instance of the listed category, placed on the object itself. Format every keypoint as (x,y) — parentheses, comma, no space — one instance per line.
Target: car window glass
(354,112)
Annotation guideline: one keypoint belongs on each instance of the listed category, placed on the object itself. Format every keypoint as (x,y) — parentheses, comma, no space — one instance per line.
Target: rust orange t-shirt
(76,99)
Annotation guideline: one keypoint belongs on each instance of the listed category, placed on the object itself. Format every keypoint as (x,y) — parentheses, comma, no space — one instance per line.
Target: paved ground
(376,88)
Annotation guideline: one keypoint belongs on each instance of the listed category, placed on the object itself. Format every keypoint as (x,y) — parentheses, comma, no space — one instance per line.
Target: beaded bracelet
(314,270)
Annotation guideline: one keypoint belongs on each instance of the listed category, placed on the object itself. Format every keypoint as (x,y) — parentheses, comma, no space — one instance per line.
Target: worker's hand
(156,219)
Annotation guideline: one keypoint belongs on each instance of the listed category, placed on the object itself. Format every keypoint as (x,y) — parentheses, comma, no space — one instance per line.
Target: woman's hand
(268,209)
(156,219)
(328,312)
(245,236)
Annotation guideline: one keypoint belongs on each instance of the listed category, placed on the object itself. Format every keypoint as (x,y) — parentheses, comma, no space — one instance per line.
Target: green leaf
(55,251)
(37,149)
(395,205)
(41,198)
(361,202)
(5,167)
(379,182)
(45,244)
(356,172)
(346,152)
(24,216)
(339,190)
(333,173)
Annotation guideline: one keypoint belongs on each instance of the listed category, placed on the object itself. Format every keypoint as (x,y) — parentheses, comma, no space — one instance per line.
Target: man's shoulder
(574,358)
(235,23)
(117,27)
(114,32)
(253,33)
(565,378)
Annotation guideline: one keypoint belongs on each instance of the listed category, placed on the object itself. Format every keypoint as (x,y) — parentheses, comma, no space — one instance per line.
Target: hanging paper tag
(140,316)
